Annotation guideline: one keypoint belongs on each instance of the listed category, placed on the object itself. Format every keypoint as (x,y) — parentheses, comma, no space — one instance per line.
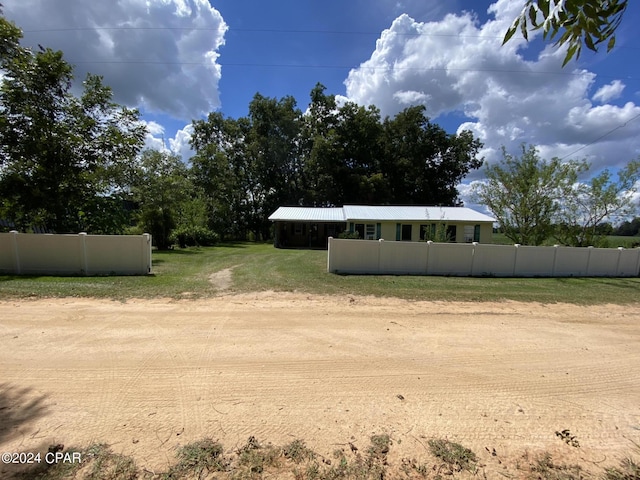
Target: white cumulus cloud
(509,94)
(609,92)
(160,55)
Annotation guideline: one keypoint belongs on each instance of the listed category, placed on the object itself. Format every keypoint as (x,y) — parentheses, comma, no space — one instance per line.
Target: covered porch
(302,234)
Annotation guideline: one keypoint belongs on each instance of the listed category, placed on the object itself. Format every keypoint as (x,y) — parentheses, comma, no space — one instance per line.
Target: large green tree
(571,22)
(524,193)
(590,203)
(161,189)
(62,158)
(424,164)
(220,169)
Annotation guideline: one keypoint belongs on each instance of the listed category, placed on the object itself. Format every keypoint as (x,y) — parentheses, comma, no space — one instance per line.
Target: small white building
(311,226)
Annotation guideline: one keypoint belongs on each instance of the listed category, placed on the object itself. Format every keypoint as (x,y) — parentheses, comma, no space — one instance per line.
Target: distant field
(261,267)
(614,240)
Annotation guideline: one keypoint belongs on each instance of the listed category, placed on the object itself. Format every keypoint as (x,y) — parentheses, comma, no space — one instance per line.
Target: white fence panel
(493,260)
(7,250)
(409,258)
(419,258)
(534,261)
(629,264)
(353,256)
(47,253)
(603,262)
(81,254)
(450,259)
(571,262)
(126,255)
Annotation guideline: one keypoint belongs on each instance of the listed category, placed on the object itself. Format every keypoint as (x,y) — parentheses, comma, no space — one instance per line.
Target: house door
(406,233)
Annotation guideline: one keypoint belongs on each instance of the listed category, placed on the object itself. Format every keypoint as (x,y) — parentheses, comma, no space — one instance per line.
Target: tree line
(76,163)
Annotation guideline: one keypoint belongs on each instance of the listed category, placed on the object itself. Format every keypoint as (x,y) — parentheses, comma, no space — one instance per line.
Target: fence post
(16,252)
(147,246)
(429,243)
(473,258)
(515,259)
(380,246)
(84,269)
(618,262)
(590,249)
(330,239)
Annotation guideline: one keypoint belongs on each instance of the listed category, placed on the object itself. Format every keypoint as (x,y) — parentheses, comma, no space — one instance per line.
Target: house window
(370,232)
(476,233)
(406,233)
(451,233)
(366,230)
(468,233)
(428,232)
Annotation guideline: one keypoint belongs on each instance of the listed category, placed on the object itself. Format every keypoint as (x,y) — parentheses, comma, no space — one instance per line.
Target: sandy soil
(148,376)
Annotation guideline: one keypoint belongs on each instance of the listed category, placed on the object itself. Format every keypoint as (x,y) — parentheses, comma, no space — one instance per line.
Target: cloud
(609,92)
(179,145)
(511,94)
(160,55)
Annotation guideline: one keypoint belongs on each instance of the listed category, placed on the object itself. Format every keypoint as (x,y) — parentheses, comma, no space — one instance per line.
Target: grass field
(260,267)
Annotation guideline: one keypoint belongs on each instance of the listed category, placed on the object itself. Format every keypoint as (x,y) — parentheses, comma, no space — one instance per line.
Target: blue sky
(177,60)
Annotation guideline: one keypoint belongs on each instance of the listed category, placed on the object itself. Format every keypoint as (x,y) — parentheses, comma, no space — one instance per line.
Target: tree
(422,162)
(160,189)
(219,169)
(61,157)
(577,22)
(273,159)
(590,203)
(524,193)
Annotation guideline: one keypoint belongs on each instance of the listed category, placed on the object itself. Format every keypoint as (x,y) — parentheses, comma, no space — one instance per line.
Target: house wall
(428,258)
(389,229)
(81,254)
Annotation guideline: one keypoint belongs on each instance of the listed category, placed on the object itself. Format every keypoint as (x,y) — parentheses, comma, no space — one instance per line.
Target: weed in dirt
(198,459)
(544,468)
(298,452)
(411,466)
(254,458)
(629,470)
(455,456)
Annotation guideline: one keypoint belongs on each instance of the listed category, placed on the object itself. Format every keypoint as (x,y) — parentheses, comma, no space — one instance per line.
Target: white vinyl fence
(476,259)
(81,254)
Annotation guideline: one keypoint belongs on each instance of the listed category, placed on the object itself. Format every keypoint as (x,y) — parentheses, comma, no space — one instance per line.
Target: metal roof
(379,213)
(308,214)
(414,213)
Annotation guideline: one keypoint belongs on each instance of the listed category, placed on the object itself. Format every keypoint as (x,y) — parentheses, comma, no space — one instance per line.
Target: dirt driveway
(147,376)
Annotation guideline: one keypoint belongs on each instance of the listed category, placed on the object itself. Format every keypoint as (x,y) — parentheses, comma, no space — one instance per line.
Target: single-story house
(311,226)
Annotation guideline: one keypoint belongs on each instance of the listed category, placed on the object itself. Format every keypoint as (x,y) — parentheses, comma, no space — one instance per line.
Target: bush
(193,237)
(349,235)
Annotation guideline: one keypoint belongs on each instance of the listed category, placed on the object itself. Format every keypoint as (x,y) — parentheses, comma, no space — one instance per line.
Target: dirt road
(147,376)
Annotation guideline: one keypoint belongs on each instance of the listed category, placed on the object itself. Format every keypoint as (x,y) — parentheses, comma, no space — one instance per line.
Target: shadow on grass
(178,251)
(614,282)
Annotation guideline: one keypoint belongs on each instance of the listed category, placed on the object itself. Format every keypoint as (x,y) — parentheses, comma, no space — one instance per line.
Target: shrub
(193,237)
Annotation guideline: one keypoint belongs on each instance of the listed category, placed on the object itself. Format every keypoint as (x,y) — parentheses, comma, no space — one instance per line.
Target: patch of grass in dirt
(206,459)
(261,267)
(454,456)
(629,469)
(98,462)
(544,467)
(198,459)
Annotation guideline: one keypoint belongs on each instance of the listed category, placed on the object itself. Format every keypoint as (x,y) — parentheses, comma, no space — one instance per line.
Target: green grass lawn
(260,267)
